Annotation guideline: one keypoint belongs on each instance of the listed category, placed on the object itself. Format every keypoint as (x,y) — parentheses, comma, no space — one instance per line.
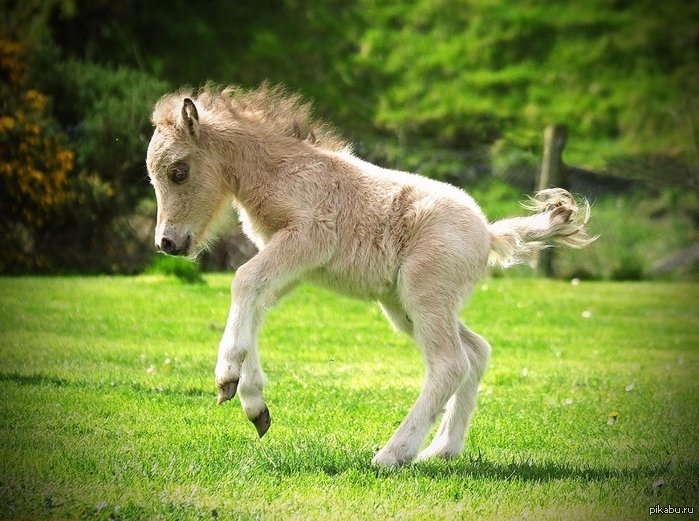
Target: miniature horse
(320,214)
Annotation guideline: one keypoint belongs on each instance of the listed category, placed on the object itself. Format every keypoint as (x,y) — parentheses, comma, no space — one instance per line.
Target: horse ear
(190,117)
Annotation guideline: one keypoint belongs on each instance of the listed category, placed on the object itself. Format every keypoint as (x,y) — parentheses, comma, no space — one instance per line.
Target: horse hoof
(226,392)
(389,459)
(262,422)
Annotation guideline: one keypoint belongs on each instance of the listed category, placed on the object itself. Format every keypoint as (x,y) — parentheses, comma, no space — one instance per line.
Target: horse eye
(179,174)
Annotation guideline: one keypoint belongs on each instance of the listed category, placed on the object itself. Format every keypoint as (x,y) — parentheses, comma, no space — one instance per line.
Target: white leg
(446,367)
(238,367)
(432,284)
(450,437)
(426,307)
(255,285)
(252,381)
(396,315)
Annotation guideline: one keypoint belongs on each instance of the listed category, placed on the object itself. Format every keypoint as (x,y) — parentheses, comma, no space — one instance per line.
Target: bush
(182,268)
(101,116)
(34,164)
(458,165)
(516,166)
(633,236)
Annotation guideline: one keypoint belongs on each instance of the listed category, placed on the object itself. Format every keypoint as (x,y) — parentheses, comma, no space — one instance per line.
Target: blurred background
(458,90)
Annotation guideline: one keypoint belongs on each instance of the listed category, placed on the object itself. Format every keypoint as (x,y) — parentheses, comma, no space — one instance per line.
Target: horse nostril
(167,245)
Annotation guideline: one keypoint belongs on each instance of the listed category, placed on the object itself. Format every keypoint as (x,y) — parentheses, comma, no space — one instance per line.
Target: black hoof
(262,422)
(226,392)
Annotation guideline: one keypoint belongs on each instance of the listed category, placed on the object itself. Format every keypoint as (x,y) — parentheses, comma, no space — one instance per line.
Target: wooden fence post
(553,173)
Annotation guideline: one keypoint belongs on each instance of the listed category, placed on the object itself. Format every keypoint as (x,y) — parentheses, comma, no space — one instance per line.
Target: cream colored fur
(319,213)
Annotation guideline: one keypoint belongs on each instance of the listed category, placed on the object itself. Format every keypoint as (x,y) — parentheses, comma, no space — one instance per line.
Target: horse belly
(365,273)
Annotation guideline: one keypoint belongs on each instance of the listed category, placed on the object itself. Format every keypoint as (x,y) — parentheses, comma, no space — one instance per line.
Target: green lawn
(108,406)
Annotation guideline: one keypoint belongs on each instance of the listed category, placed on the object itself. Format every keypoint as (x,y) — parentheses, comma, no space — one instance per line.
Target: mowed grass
(108,405)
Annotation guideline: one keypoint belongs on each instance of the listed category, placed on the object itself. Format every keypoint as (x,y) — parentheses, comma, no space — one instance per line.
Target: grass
(108,405)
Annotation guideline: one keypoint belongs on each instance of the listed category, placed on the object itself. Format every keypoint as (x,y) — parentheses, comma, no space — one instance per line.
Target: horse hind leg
(395,313)
(450,437)
(428,311)
(446,367)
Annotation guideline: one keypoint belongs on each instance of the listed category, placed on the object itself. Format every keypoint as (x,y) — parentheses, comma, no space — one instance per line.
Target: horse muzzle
(172,245)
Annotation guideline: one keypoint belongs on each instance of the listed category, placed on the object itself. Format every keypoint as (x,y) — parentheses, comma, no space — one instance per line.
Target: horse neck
(252,162)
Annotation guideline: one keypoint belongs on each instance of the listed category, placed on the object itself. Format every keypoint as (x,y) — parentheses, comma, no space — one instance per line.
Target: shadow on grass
(529,471)
(33,379)
(42,380)
(317,457)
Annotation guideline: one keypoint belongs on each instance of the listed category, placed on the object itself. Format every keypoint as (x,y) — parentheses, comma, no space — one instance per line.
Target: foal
(318,213)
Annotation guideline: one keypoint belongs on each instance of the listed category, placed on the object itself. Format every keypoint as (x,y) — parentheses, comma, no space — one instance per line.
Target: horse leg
(252,381)
(449,440)
(431,310)
(238,358)
(446,368)
(396,315)
(256,284)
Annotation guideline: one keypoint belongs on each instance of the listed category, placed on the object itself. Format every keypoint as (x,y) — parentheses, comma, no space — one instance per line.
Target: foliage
(34,163)
(81,193)
(109,411)
(459,91)
(662,171)
(28,20)
(306,45)
(433,80)
(106,112)
(462,74)
(474,72)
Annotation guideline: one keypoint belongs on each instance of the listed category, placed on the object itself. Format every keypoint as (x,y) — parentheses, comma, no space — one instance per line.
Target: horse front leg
(238,366)
(255,287)
(252,381)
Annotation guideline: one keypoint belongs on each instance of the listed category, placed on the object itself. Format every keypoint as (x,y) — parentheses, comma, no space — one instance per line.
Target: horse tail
(558,220)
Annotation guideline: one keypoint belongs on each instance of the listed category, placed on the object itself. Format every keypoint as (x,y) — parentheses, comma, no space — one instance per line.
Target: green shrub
(104,113)
(633,236)
(515,166)
(182,268)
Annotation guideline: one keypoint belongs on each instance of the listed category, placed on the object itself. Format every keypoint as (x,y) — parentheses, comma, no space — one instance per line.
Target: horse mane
(274,107)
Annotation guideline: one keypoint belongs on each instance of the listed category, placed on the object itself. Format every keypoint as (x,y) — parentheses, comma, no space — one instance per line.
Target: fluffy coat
(318,213)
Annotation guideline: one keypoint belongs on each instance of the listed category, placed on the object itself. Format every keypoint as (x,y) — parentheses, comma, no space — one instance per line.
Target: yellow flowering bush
(34,164)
